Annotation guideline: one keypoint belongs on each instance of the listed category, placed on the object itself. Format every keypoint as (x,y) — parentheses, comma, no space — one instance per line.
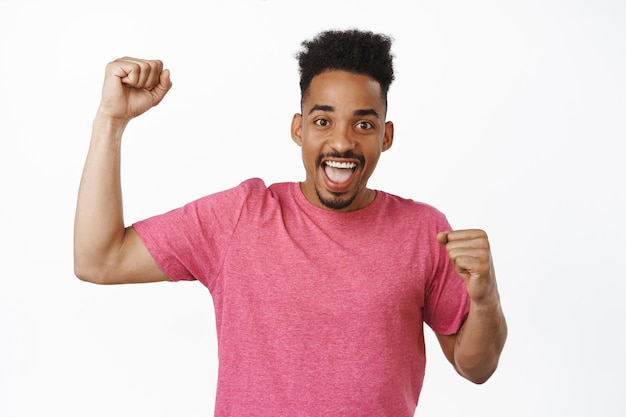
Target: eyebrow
(322,107)
(361,112)
(366,112)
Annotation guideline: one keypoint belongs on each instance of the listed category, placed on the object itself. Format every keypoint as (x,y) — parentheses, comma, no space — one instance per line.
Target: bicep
(447,343)
(135,263)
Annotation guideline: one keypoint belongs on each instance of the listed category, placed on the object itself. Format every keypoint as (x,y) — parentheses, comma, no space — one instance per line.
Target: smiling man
(342,132)
(320,288)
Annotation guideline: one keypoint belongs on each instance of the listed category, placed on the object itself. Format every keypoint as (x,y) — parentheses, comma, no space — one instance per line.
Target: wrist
(487,304)
(108,126)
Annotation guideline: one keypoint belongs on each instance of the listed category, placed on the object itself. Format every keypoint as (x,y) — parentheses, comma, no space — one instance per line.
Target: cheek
(309,150)
(372,160)
(308,157)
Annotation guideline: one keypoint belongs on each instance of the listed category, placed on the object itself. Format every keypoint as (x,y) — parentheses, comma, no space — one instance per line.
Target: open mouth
(339,172)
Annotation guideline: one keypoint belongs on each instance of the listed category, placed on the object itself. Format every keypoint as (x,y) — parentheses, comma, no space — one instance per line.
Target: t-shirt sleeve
(446,303)
(190,242)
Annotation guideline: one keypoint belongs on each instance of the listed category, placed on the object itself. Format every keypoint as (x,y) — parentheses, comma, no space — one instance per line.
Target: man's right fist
(132,86)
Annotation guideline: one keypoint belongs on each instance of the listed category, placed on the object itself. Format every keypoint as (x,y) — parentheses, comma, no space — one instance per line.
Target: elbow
(478,372)
(90,273)
(479,378)
(478,365)
(87,276)
(94,267)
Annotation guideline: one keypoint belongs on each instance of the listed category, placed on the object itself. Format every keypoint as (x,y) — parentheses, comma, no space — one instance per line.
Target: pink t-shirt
(318,313)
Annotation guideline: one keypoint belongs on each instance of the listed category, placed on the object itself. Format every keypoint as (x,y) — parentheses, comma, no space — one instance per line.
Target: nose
(341,139)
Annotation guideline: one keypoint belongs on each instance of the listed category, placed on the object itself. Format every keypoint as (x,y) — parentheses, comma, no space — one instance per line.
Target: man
(320,288)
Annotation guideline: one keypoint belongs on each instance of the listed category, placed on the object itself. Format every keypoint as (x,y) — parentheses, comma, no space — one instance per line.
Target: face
(342,132)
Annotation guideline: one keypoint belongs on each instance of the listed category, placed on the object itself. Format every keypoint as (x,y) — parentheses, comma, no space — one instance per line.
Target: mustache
(338,155)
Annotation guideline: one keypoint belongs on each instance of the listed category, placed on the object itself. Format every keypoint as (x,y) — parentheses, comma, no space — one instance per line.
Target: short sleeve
(446,303)
(191,242)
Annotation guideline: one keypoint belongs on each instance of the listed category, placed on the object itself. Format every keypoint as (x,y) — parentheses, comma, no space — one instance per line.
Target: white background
(510,116)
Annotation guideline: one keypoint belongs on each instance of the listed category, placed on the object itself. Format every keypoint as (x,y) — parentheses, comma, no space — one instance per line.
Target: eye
(364,125)
(321,122)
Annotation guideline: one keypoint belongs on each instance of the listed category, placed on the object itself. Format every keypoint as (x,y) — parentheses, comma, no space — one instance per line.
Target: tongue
(338,175)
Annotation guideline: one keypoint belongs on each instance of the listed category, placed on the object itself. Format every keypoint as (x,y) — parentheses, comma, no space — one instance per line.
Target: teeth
(344,165)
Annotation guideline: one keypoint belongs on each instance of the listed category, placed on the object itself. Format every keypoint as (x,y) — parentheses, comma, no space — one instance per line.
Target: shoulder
(408,208)
(239,193)
(251,197)
(248,193)
(256,186)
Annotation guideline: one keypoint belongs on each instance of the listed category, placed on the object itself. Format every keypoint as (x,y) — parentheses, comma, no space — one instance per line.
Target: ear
(388,136)
(296,128)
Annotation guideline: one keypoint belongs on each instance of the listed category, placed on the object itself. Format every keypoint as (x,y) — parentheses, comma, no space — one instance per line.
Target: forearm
(480,341)
(99,223)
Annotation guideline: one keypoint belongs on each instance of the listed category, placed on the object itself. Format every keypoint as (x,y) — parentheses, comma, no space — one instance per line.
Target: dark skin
(345,112)
(341,124)
(342,132)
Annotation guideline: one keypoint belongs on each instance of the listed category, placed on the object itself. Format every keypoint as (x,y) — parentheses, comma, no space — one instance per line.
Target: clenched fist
(132,86)
(470,253)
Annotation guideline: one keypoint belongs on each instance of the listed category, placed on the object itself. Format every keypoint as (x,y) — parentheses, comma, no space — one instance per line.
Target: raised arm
(475,350)
(105,251)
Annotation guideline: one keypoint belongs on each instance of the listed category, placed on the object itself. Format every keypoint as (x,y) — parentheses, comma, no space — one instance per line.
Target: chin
(335,202)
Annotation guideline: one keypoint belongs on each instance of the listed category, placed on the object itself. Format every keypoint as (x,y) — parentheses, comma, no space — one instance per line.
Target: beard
(338,201)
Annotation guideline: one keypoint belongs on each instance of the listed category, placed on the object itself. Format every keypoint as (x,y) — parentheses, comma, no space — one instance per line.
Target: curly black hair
(352,50)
